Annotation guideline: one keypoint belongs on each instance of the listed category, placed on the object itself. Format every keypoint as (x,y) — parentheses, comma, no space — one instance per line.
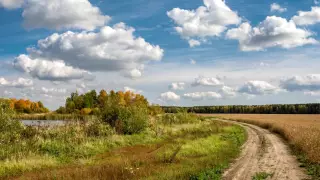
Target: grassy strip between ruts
(192,151)
(300,131)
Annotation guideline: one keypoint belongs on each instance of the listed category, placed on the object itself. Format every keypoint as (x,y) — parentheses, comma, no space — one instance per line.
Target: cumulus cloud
(209,20)
(19,83)
(258,88)
(177,86)
(272,32)
(169,96)
(197,96)
(274,7)
(134,74)
(132,90)
(207,81)
(11,4)
(49,70)
(62,14)
(307,17)
(111,49)
(228,92)
(301,83)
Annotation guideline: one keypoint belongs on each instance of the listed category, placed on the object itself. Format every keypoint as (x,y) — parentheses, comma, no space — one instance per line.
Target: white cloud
(193,43)
(196,96)
(132,90)
(276,7)
(228,92)
(206,21)
(169,96)
(258,88)
(207,81)
(62,14)
(301,83)
(272,32)
(307,17)
(111,49)
(134,74)
(53,91)
(316,2)
(177,86)
(49,70)
(11,4)
(312,93)
(193,62)
(19,83)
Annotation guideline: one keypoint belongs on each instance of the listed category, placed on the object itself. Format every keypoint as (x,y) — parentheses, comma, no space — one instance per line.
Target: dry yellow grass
(303,131)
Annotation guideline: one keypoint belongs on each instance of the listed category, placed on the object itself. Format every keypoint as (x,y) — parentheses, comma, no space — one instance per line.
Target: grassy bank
(301,131)
(177,151)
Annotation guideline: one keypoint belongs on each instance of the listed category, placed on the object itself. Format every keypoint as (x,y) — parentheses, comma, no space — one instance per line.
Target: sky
(181,52)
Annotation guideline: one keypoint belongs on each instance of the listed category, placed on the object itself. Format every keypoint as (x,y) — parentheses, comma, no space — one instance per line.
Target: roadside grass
(262,176)
(302,132)
(194,151)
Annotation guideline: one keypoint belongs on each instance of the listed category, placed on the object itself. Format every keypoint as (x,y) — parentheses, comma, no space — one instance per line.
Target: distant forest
(250,109)
(25,106)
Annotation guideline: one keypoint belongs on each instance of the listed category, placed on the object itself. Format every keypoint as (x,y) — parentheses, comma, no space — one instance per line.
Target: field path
(264,152)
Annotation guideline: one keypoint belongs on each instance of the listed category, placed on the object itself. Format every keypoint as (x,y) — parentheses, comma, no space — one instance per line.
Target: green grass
(262,176)
(59,146)
(202,153)
(191,150)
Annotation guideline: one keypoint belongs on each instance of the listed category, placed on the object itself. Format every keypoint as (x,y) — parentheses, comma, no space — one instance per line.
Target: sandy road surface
(264,152)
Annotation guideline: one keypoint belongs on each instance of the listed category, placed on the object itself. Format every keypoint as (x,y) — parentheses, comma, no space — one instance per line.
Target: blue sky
(201,53)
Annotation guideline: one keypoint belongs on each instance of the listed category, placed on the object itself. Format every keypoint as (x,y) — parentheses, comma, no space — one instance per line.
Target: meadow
(170,146)
(302,132)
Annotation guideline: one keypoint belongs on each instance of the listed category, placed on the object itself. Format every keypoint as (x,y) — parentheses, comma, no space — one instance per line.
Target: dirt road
(265,153)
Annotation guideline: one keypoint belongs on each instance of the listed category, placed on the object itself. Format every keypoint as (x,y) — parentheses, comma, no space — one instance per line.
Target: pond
(43,122)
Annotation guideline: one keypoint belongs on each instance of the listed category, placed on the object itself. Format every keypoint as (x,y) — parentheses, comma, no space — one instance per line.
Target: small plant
(212,174)
(262,176)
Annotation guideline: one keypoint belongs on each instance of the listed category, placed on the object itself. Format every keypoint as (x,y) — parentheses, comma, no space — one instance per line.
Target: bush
(97,128)
(96,111)
(10,129)
(85,111)
(132,120)
(126,119)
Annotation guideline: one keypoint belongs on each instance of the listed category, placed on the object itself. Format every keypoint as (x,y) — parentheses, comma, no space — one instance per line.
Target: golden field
(302,131)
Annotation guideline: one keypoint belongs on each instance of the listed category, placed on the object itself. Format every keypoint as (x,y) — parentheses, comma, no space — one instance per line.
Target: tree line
(91,102)
(25,106)
(250,109)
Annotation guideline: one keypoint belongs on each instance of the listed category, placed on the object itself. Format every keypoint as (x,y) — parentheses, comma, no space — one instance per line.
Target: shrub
(10,129)
(98,128)
(126,119)
(85,111)
(132,119)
